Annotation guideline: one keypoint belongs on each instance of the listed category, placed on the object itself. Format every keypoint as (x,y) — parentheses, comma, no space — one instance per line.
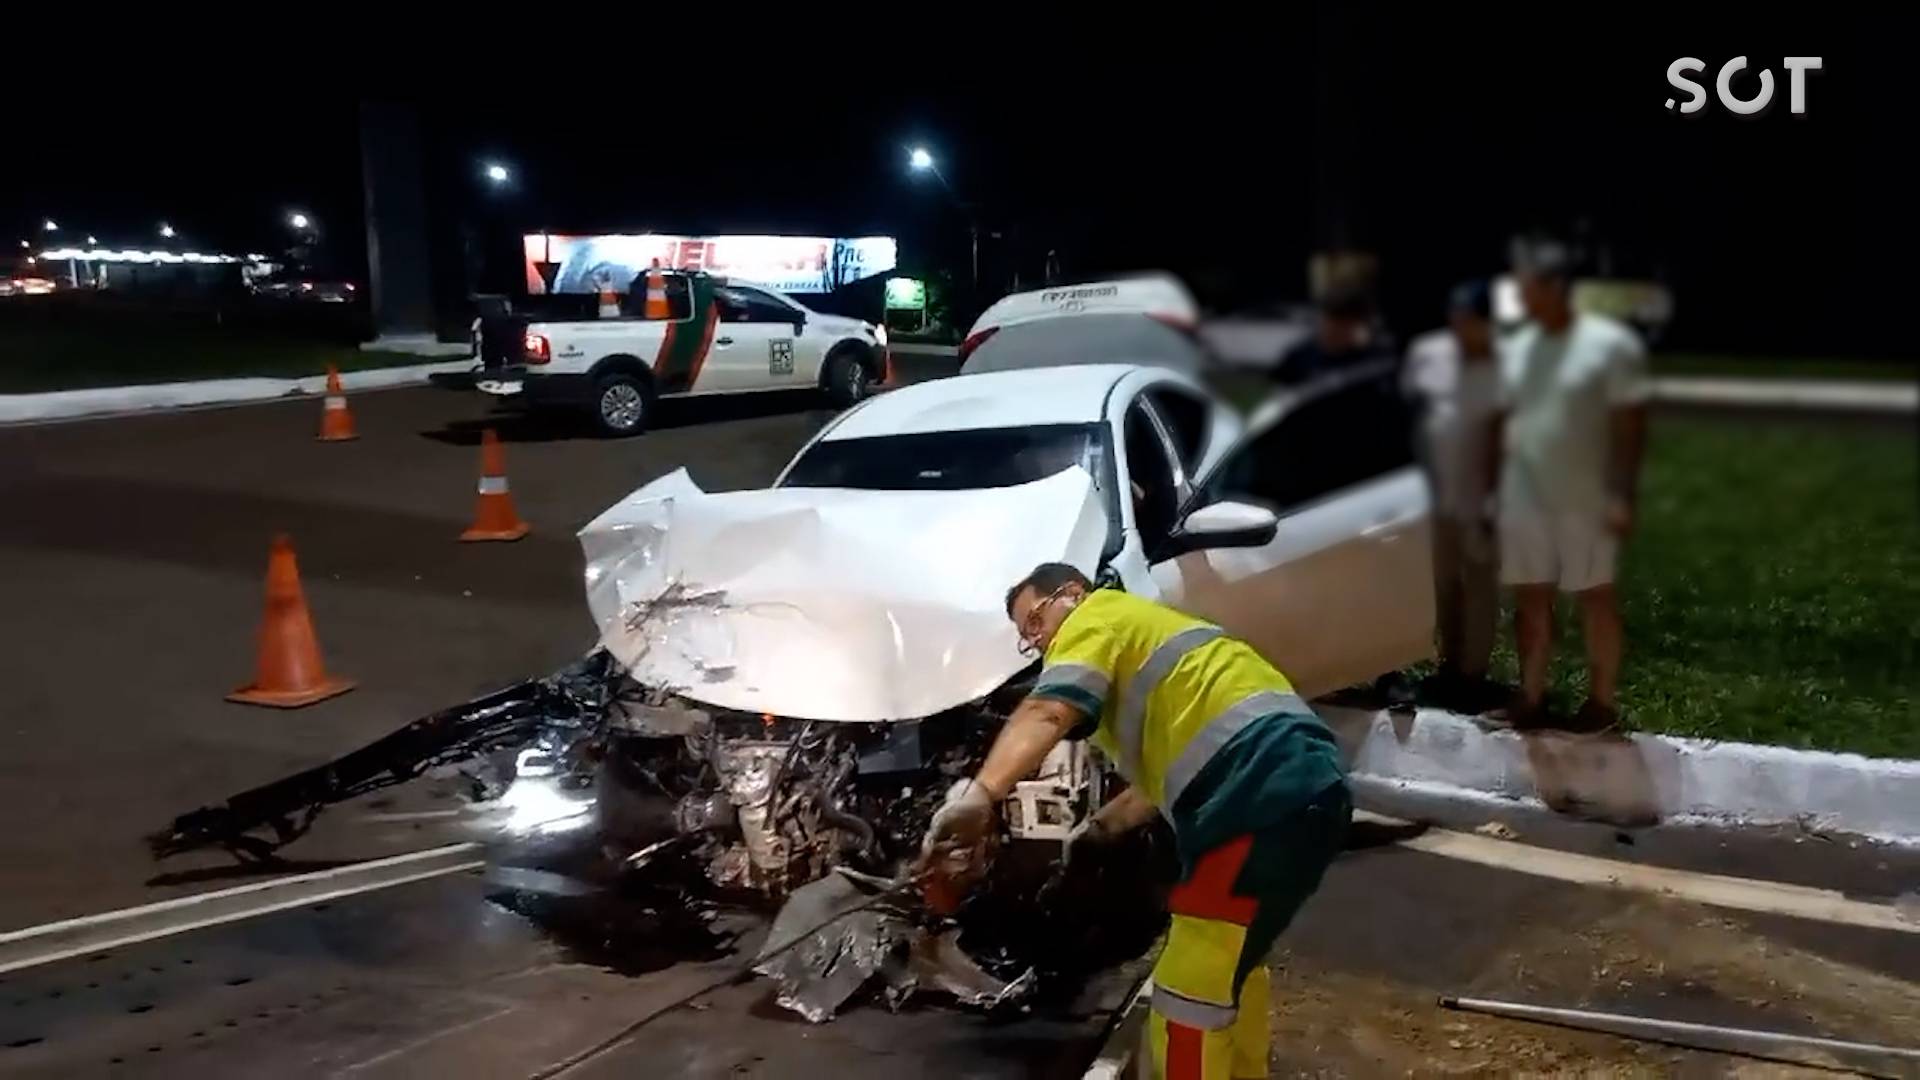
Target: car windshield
(948,460)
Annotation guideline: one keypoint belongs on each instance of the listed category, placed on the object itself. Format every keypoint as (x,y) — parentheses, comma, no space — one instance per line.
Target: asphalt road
(131,554)
(444,978)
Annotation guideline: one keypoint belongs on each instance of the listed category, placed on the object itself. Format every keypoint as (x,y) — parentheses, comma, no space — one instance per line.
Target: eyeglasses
(1030,625)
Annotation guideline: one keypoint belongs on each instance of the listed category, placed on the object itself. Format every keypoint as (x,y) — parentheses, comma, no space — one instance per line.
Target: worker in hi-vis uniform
(1211,737)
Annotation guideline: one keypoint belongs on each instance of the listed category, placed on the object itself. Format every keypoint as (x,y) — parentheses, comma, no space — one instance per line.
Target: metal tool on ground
(494,517)
(336,420)
(1766,1045)
(288,672)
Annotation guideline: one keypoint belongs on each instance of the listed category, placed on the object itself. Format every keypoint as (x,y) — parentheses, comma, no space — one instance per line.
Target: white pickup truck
(720,337)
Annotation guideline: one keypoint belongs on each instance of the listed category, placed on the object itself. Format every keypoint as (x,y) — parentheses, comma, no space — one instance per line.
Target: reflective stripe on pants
(1226,915)
(1200,1029)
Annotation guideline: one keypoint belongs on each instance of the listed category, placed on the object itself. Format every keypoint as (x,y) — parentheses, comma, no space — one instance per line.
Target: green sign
(906,294)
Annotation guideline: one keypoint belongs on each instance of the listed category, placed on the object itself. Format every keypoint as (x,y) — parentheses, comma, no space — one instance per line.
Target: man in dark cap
(1345,334)
(1452,372)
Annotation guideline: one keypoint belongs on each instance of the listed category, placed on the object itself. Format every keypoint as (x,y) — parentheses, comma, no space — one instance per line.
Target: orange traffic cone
(609,301)
(336,423)
(493,516)
(289,673)
(656,295)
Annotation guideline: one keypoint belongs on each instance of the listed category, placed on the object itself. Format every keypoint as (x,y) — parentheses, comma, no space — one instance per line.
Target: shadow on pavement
(1365,835)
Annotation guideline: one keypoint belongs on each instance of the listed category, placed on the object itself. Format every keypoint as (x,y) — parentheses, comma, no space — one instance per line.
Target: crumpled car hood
(828,604)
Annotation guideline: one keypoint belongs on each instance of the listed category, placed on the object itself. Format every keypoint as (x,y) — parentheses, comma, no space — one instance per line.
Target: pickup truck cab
(720,336)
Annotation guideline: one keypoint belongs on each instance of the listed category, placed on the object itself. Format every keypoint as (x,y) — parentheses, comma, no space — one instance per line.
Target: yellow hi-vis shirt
(1203,724)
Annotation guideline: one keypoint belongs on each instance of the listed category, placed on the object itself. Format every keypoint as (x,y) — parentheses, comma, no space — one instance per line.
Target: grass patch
(1772,590)
(45,358)
(1783,367)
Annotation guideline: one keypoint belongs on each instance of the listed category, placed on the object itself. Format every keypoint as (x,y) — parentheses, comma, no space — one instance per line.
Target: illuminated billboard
(795,264)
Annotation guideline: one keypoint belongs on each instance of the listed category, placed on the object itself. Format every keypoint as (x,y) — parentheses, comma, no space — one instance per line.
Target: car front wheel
(846,380)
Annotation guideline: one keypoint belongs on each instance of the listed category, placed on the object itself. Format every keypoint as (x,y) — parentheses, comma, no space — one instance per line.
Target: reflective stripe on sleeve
(1181,1009)
(1219,731)
(1131,721)
(1080,676)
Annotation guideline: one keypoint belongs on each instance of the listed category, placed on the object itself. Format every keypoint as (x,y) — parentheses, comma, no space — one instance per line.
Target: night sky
(1226,156)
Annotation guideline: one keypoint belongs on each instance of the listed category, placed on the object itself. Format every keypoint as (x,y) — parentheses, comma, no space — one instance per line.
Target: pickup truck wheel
(622,405)
(845,379)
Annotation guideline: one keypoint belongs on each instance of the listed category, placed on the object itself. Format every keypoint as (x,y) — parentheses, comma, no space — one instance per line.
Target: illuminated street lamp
(24,244)
(166,231)
(498,173)
(920,159)
(299,220)
(51,225)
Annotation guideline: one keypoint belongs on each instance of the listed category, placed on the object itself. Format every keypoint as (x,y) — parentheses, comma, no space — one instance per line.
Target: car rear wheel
(622,405)
(845,378)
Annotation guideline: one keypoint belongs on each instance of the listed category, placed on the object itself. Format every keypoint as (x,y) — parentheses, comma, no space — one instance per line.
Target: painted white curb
(1636,779)
(1888,397)
(104,400)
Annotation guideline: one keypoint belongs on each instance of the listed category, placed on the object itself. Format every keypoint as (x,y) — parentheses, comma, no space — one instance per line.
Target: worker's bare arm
(1126,811)
(1033,729)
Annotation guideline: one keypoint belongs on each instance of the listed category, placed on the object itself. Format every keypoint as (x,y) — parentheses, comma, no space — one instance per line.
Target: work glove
(963,821)
(954,854)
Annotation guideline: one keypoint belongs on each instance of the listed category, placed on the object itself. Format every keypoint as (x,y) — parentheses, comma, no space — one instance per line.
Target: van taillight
(537,348)
(975,340)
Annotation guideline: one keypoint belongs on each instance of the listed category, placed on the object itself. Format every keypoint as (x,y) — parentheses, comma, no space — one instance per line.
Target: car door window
(1186,416)
(739,304)
(1329,442)
(1154,489)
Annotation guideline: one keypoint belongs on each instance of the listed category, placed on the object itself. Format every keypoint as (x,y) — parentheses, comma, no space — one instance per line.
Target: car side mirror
(799,323)
(1224,524)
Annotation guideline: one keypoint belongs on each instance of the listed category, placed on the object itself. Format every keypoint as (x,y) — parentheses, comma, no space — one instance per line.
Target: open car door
(1311,540)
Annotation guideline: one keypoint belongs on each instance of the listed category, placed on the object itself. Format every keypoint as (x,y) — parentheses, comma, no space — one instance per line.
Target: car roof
(994,399)
(1159,296)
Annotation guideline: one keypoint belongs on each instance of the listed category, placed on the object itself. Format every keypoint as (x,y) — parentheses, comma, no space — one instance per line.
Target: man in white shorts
(1574,388)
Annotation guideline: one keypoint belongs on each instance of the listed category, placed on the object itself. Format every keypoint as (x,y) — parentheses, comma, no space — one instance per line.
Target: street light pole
(921,160)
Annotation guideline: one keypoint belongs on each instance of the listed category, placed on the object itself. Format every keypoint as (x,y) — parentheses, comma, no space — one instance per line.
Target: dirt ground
(1360,1010)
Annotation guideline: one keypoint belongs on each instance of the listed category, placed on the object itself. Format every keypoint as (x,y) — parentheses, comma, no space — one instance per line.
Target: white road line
(1741,894)
(414,815)
(69,938)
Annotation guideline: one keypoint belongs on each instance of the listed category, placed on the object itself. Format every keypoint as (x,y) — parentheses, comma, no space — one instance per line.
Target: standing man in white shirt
(1574,386)
(1452,372)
